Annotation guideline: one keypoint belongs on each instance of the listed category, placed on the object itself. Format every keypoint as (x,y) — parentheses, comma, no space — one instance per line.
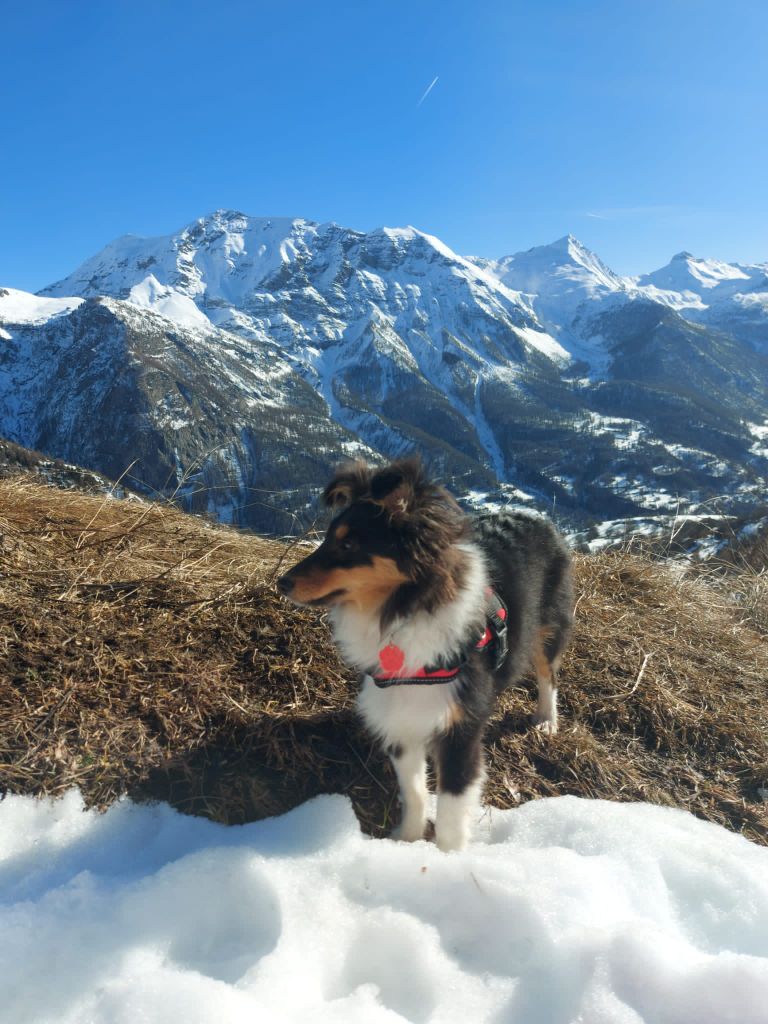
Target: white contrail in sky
(428,90)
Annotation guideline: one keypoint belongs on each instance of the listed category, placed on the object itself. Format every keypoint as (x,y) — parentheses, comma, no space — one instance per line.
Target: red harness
(392,658)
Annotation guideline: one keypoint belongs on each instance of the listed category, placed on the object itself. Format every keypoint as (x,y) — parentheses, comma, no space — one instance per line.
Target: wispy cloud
(428,90)
(628,212)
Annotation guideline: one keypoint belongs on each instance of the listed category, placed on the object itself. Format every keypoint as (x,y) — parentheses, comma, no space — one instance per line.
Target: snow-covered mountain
(239,272)
(690,277)
(565,284)
(238,358)
(213,417)
(728,296)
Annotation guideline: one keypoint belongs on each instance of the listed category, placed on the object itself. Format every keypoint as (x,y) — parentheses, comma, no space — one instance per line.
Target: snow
(563,910)
(18,307)
(224,255)
(168,302)
(687,272)
(561,281)
(760,432)
(627,433)
(334,300)
(359,317)
(541,341)
(754,529)
(679,300)
(565,266)
(643,494)
(730,296)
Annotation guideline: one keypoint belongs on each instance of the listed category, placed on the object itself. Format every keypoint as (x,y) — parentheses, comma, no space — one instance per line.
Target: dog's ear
(394,487)
(350,482)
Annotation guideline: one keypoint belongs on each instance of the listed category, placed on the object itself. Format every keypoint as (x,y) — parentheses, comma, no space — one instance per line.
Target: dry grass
(752,596)
(743,571)
(144,651)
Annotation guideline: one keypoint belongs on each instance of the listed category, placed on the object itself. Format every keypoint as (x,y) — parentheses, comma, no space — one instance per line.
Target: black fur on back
(529,566)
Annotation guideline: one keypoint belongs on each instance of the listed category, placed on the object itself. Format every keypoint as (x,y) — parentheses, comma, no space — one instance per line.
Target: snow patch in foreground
(565,910)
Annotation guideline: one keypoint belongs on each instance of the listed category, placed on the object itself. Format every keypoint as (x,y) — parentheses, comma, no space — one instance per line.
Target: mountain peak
(237,222)
(224,214)
(237,345)
(568,250)
(568,241)
(686,273)
(564,266)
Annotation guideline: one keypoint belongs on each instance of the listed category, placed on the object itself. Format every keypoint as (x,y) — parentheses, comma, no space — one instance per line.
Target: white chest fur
(413,713)
(408,714)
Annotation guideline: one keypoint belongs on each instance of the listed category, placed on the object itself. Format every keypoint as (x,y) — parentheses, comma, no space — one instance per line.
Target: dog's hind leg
(545,717)
(461,774)
(410,764)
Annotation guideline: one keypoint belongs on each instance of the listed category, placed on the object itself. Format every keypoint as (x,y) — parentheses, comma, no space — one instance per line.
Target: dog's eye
(347,545)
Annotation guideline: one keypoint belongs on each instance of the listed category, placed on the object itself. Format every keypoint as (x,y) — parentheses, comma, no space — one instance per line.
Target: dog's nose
(285,584)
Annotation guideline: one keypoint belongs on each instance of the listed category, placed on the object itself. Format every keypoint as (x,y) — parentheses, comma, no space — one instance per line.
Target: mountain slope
(565,283)
(730,297)
(122,389)
(255,352)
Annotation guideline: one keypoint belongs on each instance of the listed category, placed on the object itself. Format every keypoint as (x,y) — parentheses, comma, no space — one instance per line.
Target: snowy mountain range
(235,361)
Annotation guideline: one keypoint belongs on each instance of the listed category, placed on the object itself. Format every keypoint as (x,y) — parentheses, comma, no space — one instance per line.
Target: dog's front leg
(410,763)
(461,774)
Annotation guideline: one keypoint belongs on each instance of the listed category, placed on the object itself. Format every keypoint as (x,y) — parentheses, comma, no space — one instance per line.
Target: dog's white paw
(544,725)
(408,831)
(450,839)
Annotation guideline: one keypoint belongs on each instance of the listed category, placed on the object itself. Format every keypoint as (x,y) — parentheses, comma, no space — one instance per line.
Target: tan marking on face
(341,532)
(367,586)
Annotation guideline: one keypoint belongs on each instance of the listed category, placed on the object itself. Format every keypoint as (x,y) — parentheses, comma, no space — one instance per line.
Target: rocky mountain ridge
(236,360)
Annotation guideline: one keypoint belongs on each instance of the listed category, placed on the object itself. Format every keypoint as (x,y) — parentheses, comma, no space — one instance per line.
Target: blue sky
(638,126)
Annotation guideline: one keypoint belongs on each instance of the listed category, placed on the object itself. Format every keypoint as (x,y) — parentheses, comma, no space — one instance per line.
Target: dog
(439,612)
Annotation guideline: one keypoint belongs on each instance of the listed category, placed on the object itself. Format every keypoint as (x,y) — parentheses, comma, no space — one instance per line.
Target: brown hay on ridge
(143,651)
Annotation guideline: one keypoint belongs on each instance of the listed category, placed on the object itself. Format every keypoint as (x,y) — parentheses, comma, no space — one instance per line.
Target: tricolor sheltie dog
(440,612)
